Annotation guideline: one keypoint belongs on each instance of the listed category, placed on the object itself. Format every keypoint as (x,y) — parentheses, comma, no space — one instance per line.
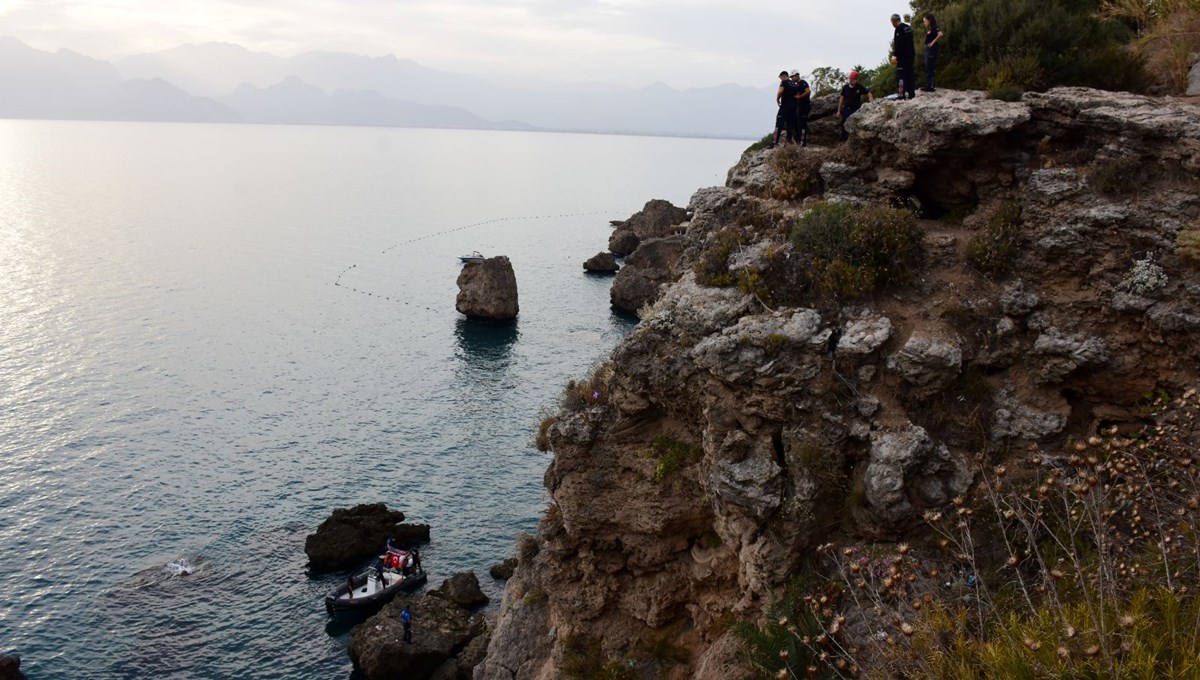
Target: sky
(683,43)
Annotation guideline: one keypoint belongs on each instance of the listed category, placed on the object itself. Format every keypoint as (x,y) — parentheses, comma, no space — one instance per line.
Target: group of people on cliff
(794,96)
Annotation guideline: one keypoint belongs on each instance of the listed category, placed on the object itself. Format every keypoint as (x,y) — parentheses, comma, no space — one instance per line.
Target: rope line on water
(338,281)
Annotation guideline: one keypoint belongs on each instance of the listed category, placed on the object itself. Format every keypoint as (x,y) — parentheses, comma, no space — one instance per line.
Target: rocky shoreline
(749,420)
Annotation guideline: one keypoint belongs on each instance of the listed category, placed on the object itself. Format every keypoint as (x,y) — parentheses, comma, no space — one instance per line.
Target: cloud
(681,42)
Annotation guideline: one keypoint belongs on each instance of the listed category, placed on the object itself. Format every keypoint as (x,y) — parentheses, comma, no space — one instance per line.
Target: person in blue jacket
(406,619)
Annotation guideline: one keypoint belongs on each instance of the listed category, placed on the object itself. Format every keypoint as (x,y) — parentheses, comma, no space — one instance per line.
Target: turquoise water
(181,379)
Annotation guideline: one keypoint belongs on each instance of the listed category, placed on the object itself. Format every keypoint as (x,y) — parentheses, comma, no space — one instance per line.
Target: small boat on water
(374,586)
(474,258)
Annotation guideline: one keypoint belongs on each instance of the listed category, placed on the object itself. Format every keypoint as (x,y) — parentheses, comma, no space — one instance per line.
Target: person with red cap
(851,100)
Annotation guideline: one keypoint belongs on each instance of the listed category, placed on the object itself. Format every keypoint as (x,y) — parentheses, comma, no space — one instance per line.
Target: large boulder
(504,570)
(463,590)
(10,668)
(488,290)
(658,218)
(351,535)
(927,364)
(601,263)
(645,271)
(909,471)
(440,630)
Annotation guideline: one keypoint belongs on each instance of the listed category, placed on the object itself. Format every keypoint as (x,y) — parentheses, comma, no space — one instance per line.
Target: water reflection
(486,344)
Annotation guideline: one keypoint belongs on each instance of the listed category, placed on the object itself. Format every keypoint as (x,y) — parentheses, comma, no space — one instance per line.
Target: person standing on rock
(406,619)
(850,101)
(803,107)
(906,53)
(785,119)
(933,36)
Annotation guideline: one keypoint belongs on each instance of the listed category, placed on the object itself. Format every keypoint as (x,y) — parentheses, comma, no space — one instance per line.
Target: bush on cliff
(852,251)
(993,250)
(1079,563)
(1031,44)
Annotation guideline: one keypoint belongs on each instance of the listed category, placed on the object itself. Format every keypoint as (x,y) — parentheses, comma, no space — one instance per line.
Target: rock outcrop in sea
(10,668)
(750,419)
(351,535)
(488,290)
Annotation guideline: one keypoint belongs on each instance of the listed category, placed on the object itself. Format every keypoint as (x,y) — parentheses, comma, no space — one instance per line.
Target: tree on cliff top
(1031,44)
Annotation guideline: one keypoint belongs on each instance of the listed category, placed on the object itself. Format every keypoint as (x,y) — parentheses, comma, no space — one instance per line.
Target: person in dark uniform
(906,53)
(933,36)
(785,98)
(803,107)
(851,100)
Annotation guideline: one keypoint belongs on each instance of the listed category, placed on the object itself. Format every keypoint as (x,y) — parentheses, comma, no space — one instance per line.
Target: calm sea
(180,377)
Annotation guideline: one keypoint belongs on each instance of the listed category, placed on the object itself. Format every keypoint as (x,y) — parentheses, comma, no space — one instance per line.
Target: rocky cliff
(758,412)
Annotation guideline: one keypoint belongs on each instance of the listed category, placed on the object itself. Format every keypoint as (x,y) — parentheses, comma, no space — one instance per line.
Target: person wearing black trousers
(906,54)
(933,36)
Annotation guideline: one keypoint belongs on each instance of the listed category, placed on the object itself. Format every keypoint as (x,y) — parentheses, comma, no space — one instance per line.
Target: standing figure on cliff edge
(785,119)
(803,107)
(933,36)
(906,54)
(850,101)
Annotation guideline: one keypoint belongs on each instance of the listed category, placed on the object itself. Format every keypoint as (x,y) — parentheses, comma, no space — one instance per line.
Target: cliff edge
(859,335)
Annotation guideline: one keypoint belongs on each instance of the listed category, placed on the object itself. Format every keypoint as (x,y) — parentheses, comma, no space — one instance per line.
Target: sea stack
(488,290)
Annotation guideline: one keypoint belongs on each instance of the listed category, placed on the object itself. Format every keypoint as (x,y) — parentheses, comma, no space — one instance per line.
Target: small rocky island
(488,290)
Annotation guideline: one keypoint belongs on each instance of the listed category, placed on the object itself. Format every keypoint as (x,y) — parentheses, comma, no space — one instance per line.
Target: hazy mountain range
(219,82)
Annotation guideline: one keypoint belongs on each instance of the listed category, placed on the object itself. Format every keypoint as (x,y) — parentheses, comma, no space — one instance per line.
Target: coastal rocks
(463,590)
(927,364)
(503,570)
(1063,354)
(656,219)
(10,668)
(864,336)
(488,290)
(645,271)
(909,471)
(741,351)
(1012,419)
(351,535)
(746,476)
(440,631)
(601,263)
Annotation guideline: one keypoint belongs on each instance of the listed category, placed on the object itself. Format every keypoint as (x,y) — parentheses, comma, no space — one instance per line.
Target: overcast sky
(683,43)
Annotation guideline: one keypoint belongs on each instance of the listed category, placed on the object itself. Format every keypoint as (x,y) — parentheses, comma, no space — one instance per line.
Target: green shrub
(1030,44)
(542,441)
(590,391)
(993,250)
(672,455)
(1005,92)
(1116,176)
(854,251)
(791,642)
(584,658)
(749,281)
(712,269)
(761,144)
(799,171)
(1187,244)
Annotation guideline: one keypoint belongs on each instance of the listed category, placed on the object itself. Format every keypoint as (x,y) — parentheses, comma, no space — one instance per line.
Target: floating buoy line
(497,220)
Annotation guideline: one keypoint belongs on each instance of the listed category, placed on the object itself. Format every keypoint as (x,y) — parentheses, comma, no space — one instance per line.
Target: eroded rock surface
(488,290)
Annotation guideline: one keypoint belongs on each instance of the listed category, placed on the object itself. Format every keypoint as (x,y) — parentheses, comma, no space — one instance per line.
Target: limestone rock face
(646,270)
(739,432)
(488,290)
(601,263)
(928,364)
(351,535)
(463,590)
(440,631)
(657,219)
(909,470)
